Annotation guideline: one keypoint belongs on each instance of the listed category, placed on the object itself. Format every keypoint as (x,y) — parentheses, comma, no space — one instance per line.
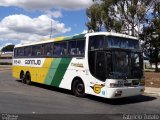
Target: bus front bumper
(124,92)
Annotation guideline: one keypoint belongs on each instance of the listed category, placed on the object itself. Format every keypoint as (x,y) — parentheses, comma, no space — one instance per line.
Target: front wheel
(78,88)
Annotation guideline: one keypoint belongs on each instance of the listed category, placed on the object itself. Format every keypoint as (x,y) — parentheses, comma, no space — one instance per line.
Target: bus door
(100,65)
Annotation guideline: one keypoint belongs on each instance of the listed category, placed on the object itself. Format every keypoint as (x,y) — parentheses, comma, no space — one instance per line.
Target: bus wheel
(28,78)
(78,88)
(22,77)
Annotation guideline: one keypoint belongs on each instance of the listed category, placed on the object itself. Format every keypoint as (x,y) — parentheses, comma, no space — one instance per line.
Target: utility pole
(51,30)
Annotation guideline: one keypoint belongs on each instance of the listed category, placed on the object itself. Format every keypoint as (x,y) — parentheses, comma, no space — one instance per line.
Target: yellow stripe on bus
(44,70)
(59,38)
(38,74)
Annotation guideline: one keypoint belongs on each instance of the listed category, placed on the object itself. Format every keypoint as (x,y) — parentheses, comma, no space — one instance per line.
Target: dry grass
(152,79)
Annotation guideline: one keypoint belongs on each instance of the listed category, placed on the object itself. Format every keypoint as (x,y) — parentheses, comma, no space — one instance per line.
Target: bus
(104,64)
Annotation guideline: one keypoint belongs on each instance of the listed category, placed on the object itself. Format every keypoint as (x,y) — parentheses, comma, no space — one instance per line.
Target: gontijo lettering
(33,62)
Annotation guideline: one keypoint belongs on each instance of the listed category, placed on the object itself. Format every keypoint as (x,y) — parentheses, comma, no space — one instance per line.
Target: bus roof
(112,34)
(78,36)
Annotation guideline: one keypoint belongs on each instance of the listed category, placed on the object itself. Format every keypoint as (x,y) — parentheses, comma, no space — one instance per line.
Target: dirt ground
(152,79)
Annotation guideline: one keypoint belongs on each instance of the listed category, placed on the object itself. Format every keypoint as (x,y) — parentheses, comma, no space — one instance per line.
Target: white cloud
(54,14)
(47,4)
(85,31)
(21,27)
(8,44)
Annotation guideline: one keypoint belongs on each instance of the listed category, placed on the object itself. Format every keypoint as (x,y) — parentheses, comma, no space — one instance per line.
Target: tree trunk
(132,28)
(156,59)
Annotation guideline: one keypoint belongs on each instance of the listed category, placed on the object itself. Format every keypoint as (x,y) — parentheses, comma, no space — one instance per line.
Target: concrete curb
(152,93)
(5,69)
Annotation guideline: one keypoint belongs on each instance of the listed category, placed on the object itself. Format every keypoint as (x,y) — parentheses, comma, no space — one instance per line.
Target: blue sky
(23,21)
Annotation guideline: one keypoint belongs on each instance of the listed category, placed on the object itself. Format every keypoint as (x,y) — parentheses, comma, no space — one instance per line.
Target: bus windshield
(118,42)
(123,65)
(103,42)
(112,57)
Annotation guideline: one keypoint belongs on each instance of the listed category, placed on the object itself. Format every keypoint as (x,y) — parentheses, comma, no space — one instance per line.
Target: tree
(133,14)
(151,35)
(124,16)
(100,14)
(94,15)
(8,48)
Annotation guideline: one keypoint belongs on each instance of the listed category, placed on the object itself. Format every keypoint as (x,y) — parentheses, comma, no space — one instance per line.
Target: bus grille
(134,83)
(128,84)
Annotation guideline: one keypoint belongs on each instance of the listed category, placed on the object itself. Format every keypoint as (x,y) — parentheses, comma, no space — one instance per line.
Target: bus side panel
(76,68)
(38,74)
(51,71)
(16,71)
(41,72)
(57,71)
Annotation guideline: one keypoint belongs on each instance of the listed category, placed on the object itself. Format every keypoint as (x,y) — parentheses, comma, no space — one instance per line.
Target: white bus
(104,64)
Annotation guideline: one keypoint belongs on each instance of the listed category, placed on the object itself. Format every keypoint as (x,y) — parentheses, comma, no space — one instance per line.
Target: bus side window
(64,48)
(80,47)
(72,48)
(48,49)
(57,49)
(96,42)
(19,52)
(28,51)
(36,50)
(15,53)
(60,49)
(42,50)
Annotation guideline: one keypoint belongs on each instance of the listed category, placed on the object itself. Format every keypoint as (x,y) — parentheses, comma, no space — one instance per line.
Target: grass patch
(152,79)
(5,63)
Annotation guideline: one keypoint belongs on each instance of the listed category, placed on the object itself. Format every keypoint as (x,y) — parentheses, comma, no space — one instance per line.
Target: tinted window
(72,48)
(19,52)
(126,43)
(60,49)
(96,42)
(36,50)
(48,49)
(15,53)
(80,47)
(28,51)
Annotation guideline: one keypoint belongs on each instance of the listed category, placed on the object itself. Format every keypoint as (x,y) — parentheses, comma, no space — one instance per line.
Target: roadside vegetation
(140,18)
(5,63)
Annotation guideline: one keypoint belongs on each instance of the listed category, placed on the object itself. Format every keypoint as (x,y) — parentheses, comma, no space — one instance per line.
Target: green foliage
(5,63)
(94,13)
(100,14)
(122,16)
(128,16)
(151,36)
(8,48)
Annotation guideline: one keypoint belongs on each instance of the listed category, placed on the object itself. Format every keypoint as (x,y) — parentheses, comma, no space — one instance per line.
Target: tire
(28,78)
(78,88)
(22,77)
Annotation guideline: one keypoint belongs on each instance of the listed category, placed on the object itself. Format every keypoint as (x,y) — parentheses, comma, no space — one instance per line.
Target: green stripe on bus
(59,74)
(52,70)
(80,36)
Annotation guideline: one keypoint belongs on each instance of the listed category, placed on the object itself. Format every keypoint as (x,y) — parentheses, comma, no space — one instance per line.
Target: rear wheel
(22,77)
(28,78)
(78,88)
